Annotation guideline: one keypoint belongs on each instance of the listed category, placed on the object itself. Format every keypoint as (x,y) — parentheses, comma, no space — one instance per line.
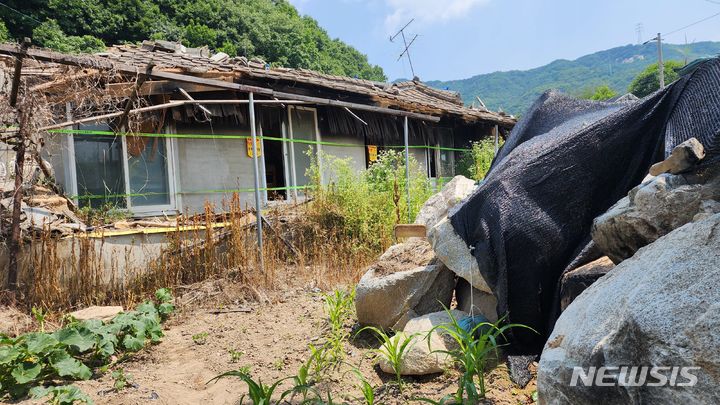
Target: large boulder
(419,359)
(452,250)
(653,209)
(405,282)
(437,206)
(574,282)
(659,308)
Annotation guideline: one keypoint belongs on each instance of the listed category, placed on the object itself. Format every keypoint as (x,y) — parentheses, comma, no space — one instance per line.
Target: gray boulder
(406,282)
(437,206)
(452,250)
(419,359)
(651,210)
(659,308)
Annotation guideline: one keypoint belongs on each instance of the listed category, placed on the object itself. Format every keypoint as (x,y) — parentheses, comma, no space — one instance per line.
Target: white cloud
(427,11)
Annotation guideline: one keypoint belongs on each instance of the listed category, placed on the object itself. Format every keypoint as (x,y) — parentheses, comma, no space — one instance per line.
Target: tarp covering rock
(564,164)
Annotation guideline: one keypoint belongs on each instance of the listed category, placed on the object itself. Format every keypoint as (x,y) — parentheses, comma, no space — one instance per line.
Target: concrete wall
(212,164)
(356,153)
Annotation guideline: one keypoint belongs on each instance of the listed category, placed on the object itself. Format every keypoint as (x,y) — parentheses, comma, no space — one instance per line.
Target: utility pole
(661,66)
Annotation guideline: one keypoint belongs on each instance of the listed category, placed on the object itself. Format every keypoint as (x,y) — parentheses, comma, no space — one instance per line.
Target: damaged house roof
(408,96)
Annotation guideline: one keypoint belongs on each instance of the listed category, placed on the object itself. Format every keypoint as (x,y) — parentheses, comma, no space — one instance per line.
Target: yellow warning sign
(372,153)
(258,146)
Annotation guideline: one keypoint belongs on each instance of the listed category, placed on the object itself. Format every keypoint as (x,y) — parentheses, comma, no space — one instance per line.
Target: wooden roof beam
(91,62)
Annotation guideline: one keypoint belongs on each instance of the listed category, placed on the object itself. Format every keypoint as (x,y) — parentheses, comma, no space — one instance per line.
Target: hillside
(269,29)
(514,91)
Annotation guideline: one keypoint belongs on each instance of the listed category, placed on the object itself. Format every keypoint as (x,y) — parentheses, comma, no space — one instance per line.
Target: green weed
(393,348)
(472,353)
(200,338)
(39,316)
(259,393)
(121,380)
(235,355)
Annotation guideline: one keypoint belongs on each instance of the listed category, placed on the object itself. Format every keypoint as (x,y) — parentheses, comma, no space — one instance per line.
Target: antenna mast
(639,29)
(406,51)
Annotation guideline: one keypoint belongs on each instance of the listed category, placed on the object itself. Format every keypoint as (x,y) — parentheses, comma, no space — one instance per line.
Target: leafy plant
(362,206)
(235,355)
(476,162)
(61,395)
(200,338)
(39,316)
(259,393)
(473,348)
(69,353)
(393,348)
(121,379)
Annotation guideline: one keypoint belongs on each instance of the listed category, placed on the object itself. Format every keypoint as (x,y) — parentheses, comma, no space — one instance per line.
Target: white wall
(212,164)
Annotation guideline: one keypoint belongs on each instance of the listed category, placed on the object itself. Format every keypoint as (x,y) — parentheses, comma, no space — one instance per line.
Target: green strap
(270,138)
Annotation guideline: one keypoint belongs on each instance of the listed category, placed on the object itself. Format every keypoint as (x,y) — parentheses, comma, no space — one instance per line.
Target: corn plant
(302,384)
(366,389)
(474,345)
(339,309)
(319,360)
(259,393)
(393,348)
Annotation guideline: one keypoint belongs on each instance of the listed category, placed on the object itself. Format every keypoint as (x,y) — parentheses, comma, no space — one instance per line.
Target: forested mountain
(270,29)
(514,91)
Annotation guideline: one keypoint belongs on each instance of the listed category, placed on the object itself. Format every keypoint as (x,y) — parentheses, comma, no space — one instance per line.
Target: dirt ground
(213,334)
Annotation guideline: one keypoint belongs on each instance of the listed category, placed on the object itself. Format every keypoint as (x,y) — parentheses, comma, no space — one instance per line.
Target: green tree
(49,34)
(4,33)
(603,93)
(269,29)
(648,81)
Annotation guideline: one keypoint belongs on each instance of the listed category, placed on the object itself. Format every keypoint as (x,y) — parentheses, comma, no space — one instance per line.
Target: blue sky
(461,38)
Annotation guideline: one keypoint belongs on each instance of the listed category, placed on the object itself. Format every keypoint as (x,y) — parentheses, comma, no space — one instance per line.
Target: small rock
(683,157)
(574,282)
(104,313)
(419,359)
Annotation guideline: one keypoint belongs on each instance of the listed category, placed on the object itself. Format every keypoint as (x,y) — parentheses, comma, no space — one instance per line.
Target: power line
(693,24)
(19,12)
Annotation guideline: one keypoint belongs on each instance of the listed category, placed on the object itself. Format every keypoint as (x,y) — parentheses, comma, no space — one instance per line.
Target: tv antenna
(406,51)
(639,29)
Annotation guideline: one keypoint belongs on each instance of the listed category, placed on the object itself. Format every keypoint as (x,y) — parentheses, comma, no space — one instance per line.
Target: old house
(193,144)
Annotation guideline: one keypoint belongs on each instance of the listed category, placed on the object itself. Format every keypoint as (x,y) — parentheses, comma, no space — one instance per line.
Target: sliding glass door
(133,172)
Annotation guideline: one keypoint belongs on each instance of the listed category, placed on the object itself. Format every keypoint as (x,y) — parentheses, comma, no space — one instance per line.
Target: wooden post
(25,114)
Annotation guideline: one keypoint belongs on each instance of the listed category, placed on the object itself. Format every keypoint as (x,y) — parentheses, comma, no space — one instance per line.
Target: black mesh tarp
(565,163)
